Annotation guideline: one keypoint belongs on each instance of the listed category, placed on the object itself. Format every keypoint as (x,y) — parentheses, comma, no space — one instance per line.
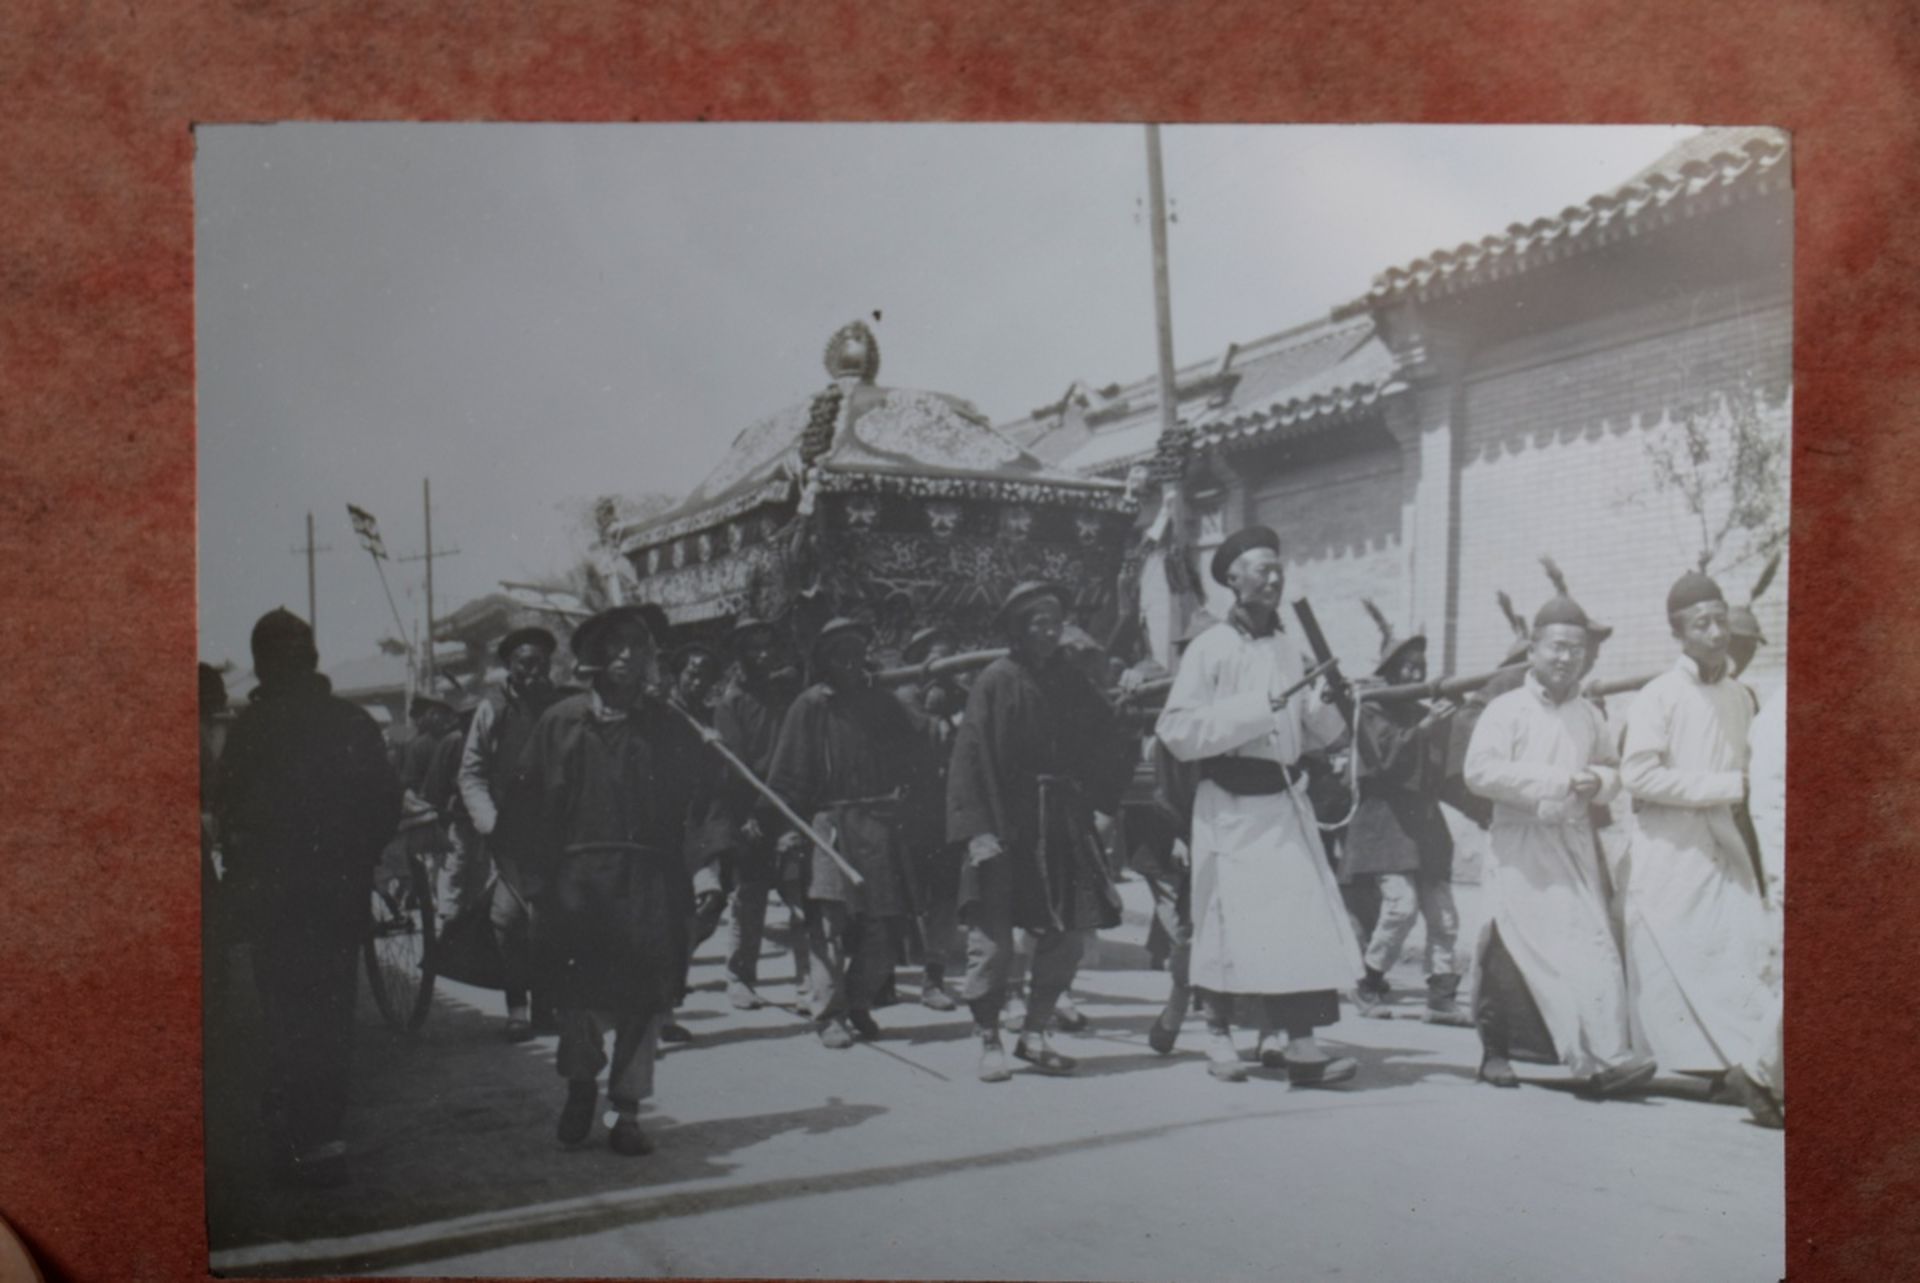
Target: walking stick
(713,741)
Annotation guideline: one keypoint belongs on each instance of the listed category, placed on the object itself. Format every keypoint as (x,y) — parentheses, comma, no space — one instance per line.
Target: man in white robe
(1550,986)
(1269,927)
(1698,928)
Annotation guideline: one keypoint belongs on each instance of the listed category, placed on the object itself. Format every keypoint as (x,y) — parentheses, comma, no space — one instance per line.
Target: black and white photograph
(963,701)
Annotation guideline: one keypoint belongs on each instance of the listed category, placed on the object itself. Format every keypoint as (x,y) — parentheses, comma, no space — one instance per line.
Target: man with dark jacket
(1039,751)
(306,800)
(615,782)
(747,718)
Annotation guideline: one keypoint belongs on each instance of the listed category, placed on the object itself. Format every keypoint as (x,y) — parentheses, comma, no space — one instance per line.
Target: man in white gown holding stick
(1270,932)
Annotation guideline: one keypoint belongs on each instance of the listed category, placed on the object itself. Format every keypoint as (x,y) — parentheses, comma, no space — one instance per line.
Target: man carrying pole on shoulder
(1039,751)
(846,753)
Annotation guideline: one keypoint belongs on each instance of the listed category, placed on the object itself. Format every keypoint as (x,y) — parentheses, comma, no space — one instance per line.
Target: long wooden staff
(745,772)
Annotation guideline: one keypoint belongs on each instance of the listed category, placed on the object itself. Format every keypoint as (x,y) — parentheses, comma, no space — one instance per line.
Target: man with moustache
(1039,751)
(1698,932)
(847,752)
(502,725)
(1551,987)
(616,786)
(1271,933)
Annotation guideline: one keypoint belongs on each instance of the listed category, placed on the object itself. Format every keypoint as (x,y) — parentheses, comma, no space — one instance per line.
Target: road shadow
(452,1122)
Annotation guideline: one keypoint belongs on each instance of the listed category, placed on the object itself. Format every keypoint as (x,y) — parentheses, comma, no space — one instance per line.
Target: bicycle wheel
(399,950)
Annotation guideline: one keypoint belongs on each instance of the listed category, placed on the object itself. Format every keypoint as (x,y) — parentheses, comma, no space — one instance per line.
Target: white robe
(1267,913)
(1542,880)
(1698,932)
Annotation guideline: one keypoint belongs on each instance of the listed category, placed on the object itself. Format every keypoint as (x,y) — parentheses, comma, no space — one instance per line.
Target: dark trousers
(851,958)
(508,914)
(1295,1014)
(1504,1011)
(305,980)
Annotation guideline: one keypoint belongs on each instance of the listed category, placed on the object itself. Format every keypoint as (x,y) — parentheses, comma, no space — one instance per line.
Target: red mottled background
(100,1152)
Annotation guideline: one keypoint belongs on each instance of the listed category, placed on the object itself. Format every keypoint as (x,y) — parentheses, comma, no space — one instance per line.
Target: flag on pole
(368,529)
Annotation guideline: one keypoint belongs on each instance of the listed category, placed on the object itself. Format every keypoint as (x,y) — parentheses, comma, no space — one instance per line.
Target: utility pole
(426,504)
(1162,291)
(313,608)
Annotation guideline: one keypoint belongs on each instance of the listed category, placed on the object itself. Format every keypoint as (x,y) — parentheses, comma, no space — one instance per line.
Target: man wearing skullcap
(1550,986)
(1270,929)
(747,717)
(1039,751)
(1696,918)
(502,724)
(305,801)
(847,753)
(617,787)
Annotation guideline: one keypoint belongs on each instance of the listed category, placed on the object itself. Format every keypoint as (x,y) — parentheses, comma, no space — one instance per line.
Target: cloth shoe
(519,1028)
(576,1116)
(1620,1080)
(1320,1073)
(1161,1036)
(1033,1048)
(1371,995)
(1443,1005)
(1764,1108)
(993,1058)
(741,995)
(627,1138)
(1223,1058)
(935,997)
(835,1035)
(1068,1018)
(1497,1071)
(864,1025)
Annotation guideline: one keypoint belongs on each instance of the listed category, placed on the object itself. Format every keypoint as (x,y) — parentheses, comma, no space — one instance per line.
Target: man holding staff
(1270,929)
(616,783)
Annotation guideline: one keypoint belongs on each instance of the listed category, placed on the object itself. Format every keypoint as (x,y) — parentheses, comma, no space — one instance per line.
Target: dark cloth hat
(280,632)
(533,635)
(745,627)
(1742,623)
(589,633)
(836,629)
(1562,609)
(424,704)
(1691,589)
(679,658)
(1238,542)
(1394,648)
(921,642)
(1024,598)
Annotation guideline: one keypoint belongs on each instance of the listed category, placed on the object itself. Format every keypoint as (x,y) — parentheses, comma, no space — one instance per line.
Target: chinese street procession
(902,709)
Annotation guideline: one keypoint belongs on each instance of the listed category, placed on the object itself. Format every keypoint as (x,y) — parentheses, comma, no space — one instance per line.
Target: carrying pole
(713,741)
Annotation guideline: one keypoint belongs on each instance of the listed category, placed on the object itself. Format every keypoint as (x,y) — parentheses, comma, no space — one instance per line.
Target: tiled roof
(1309,376)
(1709,171)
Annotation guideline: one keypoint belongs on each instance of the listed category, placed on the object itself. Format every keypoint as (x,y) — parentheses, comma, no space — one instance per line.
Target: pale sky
(532,315)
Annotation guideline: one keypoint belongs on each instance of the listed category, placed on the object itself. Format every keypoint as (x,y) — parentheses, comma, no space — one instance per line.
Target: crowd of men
(1294,835)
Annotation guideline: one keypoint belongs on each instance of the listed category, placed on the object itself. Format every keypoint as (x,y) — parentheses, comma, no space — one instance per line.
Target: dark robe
(747,716)
(306,800)
(846,761)
(1398,828)
(1031,734)
(613,804)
